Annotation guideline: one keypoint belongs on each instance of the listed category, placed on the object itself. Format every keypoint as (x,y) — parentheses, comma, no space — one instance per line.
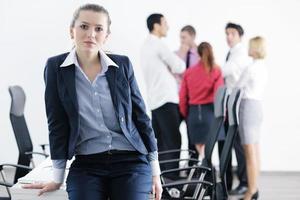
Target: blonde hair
(258,46)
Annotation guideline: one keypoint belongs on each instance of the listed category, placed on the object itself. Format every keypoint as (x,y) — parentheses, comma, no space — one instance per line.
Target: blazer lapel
(111,76)
(68,75)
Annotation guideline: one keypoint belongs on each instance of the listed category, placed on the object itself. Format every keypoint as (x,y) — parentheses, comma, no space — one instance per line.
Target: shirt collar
(194,50)
(237,46)
(72,59)
(152,36)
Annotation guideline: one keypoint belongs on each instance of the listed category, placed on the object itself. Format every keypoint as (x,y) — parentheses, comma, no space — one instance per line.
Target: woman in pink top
(197,92)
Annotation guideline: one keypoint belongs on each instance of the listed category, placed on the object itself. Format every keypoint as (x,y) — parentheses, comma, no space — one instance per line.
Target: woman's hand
(156,187)
(44,187)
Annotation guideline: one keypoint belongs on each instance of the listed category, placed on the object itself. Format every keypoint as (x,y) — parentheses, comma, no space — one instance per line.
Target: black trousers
(240,156)
(241,161)
(192,147)
(166,122)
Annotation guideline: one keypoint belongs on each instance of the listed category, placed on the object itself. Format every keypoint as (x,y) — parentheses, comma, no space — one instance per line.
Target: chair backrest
(17,118)
(233,106)
(233,109)
(20,129)
(220,102)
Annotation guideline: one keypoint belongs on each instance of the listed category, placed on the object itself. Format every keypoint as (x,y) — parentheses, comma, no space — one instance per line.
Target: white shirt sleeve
(173,61)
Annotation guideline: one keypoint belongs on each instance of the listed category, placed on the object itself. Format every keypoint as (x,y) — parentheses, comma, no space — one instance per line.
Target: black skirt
(199,121)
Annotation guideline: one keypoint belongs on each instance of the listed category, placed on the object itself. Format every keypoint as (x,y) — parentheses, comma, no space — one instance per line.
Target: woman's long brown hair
(207,57)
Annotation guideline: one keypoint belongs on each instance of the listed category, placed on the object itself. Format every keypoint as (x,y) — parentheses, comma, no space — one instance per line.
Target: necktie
(187,62)
(228,55)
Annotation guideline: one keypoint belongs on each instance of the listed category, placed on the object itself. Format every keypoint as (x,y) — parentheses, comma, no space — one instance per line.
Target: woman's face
(90,31)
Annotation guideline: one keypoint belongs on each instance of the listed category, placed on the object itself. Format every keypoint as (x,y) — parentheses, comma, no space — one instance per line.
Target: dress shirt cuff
(58,175)
(152,156)
(153,159)
(59,167)
(155,168)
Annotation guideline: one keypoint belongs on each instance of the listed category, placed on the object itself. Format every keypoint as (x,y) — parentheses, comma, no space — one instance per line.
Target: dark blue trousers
(115,175)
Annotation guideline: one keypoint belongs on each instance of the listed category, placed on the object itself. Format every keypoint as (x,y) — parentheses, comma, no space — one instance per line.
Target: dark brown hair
(237,27)
(206,53)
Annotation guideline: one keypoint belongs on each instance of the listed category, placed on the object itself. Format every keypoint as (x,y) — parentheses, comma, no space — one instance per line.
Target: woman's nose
(91,33)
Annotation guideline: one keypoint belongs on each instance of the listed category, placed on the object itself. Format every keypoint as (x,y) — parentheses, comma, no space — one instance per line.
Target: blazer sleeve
(139,115)
(58,124)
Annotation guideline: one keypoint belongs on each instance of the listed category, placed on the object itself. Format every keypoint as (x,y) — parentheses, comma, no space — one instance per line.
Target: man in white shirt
(237,60)
(158,63)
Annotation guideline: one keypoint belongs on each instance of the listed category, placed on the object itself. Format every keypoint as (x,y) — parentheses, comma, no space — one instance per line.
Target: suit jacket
(62,106)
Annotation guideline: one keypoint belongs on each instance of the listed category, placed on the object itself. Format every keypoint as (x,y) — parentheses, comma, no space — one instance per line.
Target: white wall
(31,31)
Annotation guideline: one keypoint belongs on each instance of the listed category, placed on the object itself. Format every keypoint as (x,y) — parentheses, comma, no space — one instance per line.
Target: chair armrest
(6,184)
(175,151)
(184,168)
(13,165)
(191,182)
(36,153)
(178,160)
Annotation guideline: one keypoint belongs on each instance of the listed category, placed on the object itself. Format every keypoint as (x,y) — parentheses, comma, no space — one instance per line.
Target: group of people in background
(182,84)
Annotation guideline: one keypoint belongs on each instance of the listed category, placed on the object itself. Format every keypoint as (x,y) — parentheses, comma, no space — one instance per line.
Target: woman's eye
(84,26)
(98,29)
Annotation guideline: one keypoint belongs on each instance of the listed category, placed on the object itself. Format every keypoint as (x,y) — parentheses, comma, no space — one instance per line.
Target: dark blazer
(62,106)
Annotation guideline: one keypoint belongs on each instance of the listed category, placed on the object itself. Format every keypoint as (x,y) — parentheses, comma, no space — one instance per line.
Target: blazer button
(122,119)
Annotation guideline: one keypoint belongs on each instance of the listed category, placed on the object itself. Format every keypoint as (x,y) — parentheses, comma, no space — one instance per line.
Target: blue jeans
(120,175)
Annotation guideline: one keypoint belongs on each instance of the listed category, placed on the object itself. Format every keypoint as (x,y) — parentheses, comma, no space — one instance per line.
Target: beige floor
(279,186)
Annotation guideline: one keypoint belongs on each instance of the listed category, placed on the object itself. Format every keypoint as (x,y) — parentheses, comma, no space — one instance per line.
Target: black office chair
(200,177)
(21,131)
(218,184)
(172,174)
(4,180)
(233,120)
(7,185)
(163,161)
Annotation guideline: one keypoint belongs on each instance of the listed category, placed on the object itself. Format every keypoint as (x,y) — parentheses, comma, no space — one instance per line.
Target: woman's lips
(89,42)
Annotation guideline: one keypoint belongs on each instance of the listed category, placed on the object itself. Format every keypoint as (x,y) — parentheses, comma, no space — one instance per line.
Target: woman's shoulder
(57,59)
(59,56)
(194,67)
(217,69)
(117,57)
(257,66)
